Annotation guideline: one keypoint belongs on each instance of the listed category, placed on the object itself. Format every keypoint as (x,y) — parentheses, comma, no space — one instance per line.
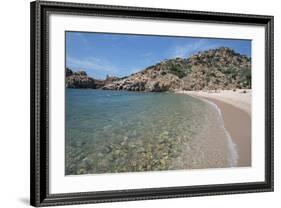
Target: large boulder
(68,72)
(78,79)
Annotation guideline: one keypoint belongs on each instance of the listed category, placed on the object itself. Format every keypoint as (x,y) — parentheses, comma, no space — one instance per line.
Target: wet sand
(236,111)
(238,123)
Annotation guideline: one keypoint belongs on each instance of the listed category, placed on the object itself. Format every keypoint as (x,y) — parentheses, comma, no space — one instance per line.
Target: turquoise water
(120,131)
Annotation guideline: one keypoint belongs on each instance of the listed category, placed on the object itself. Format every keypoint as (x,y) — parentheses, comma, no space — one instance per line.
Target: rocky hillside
(214,69)
(80,79)
(221,68)
(160,77)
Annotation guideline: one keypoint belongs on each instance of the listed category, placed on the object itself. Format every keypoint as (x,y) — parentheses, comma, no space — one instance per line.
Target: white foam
(233,157)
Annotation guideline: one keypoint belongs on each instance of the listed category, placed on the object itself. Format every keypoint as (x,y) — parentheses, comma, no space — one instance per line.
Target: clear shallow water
(120,131)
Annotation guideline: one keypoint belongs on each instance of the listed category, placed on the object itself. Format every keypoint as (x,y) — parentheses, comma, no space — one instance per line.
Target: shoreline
(236,114)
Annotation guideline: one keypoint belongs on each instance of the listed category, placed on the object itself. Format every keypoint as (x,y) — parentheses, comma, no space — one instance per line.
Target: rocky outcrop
(163,76)
(108,80)
(80,79)
(220,68)
(142,83)
(214,69)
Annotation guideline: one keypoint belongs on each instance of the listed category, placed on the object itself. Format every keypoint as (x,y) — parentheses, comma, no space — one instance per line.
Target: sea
(123,131)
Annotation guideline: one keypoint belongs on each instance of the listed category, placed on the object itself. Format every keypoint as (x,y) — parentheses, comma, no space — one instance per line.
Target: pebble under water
(121,131)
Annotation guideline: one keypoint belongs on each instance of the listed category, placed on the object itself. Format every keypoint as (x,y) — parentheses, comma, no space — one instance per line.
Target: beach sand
(236,112)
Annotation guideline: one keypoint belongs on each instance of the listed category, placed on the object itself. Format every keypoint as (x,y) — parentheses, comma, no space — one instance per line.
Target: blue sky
(101,54)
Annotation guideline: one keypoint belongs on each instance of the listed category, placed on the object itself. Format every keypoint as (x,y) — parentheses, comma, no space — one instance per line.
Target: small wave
(233,159)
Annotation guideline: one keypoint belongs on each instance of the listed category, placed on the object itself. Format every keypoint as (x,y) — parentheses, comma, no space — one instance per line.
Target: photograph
(133,103)
(137,103)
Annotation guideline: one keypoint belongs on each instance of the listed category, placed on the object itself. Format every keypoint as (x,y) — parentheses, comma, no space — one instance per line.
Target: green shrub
(176,70)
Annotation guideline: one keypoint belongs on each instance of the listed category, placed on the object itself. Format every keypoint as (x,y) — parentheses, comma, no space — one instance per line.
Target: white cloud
(91,64)
(190,48)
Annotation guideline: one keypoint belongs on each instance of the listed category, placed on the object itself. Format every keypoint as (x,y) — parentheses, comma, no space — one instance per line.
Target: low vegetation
(215,69)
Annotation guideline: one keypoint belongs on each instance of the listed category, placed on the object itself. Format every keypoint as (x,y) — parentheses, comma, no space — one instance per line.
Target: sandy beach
(236,112)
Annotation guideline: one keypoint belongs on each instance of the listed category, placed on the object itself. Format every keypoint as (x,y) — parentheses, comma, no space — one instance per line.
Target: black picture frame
(39,188)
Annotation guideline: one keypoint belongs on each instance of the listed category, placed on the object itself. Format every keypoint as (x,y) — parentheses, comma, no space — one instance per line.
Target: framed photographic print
(131,103)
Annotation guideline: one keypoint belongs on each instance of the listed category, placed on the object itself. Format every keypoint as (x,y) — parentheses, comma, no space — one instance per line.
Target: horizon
(102,54)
